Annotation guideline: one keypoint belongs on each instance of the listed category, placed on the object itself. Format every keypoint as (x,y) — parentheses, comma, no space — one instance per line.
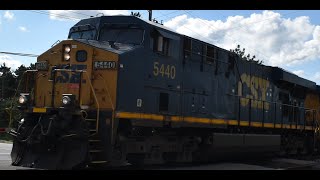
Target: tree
(20,76)
(7,82)
(241,54)
(9,114)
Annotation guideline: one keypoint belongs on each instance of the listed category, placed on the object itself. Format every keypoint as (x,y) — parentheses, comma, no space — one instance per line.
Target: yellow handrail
(96,99)
(113,109)
(9,110)
(106,84)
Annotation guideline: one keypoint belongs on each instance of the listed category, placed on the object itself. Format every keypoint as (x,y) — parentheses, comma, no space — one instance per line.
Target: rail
(107,88)
(292,111)
(113,109)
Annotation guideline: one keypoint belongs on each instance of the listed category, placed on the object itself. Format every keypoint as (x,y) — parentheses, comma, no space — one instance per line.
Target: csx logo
(70,77)
(257,91)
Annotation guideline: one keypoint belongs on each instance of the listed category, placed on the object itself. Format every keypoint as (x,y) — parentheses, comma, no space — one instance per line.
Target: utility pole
(150,15)
(2,83)
(2,89)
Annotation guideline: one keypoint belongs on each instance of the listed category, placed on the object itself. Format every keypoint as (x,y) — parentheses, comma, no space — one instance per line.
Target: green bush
(9,114)
(5,137)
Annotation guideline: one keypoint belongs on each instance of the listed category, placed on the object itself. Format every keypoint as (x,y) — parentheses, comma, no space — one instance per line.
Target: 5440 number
(164,70)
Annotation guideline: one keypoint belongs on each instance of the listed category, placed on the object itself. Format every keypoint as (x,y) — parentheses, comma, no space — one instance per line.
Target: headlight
(23,99)
(66,100)
(66,57)
(67,49)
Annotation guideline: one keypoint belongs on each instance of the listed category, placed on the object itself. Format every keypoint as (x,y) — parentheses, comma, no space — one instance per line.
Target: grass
(5,138)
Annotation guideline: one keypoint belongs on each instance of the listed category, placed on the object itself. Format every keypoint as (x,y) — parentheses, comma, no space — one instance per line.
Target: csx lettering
(70,77)
(168,71)
(256,86)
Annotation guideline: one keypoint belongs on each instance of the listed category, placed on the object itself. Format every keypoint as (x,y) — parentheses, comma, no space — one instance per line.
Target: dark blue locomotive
(174,99)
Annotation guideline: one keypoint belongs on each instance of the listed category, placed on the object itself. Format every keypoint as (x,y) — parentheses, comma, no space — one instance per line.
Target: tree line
(9,92)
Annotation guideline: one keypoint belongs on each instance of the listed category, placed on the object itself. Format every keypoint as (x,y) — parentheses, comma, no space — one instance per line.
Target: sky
(289,39)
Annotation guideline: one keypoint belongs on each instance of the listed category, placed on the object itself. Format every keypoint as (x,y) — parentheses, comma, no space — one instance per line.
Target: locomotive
(121,89)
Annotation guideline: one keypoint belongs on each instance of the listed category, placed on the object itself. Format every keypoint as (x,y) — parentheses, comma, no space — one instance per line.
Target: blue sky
(289,39)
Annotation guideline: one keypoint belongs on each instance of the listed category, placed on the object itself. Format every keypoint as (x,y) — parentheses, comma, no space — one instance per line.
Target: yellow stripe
(269,125)
(244,123)
(233,122)
(278,125)
(139,116)
(256,124)
(127,115)
(219,121)
(195,120)
(152,116)
(176,118)
(39,110)
(309,127)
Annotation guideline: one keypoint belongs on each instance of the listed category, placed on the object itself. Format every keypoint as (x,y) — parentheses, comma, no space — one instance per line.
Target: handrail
(292,107)
(106,84)
(113,109)
(96,99)
(9,110)
(289,105)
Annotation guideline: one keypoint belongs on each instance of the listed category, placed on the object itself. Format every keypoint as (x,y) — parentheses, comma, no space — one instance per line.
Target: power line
(19,54)
(55,15)
(61,15)
(72,11)
(166,15)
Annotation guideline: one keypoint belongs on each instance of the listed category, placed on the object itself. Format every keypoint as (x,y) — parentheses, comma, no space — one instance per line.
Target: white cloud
(276,40)
(9,61)
(316,77)
(23,29)
(8,15)
(300,73)
(75,15)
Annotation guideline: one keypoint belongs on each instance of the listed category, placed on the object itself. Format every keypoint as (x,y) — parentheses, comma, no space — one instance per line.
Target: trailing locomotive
(124,89)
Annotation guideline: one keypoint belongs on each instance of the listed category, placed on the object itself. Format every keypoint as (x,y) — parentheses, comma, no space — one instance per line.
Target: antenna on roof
(154,19)
(137,14)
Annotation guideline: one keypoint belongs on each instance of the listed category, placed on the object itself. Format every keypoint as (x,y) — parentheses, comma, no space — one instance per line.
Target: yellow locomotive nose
(75,68)
(75,86)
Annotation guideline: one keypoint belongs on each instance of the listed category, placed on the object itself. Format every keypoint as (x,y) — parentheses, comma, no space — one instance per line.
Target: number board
(164,70)
(105,65)
(42,65)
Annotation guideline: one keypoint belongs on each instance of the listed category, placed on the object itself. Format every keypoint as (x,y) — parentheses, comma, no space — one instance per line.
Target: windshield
(122,35)
(83,34)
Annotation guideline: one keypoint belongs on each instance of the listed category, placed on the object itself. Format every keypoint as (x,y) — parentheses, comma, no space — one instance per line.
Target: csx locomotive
(122,89)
